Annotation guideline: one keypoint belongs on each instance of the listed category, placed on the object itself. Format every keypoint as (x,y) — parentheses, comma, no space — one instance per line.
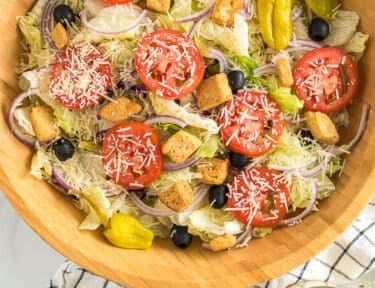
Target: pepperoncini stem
(126,232)
(275,22)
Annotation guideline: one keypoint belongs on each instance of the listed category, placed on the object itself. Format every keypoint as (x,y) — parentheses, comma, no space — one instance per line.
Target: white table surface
(26,261)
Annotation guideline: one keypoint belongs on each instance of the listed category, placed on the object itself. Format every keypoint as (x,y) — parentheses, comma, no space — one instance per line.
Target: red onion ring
(361,128)
(14,128)
(165,119)
(198,197)
(294,220)
(194,27)
(299,49)
(265,69)
(245,236)
(47,22)
(197,16)
(319,167)
(135,23)
(169,166)
(218,55)
(308,43)
(58,179)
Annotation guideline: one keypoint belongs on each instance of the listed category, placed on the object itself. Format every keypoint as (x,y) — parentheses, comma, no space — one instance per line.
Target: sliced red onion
(194,28)
(245,236)
(319,167)
(295,220)
(218,55)
(169,166)
(135,23)
(299,49)
(58,179)
(198,197)
(13,126)
(265,69)
(165,119)
(361,127)
(246,11)
(197,16)
(47,22)
(308,43)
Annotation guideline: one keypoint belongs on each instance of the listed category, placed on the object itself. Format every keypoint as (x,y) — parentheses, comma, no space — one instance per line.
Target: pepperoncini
(275,22)
(126,232)
(323,8)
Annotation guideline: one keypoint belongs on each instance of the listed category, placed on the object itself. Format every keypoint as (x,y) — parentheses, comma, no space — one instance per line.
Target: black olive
(63,149)
(181,238)
(217,196)
(236,80)
(306,137)
(238,160)
(63,14)
(318,29)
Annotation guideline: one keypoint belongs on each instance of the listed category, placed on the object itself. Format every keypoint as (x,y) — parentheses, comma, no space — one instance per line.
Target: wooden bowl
(55,219)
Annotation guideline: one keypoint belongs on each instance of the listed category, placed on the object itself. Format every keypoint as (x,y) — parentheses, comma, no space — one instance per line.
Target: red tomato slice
(131,155)
(251,123)
(260,196)
(169,63)
(80,77)
(326,79)
(116,1)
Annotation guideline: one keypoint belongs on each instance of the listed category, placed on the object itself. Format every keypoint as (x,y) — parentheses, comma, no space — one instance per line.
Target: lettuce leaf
(41,167)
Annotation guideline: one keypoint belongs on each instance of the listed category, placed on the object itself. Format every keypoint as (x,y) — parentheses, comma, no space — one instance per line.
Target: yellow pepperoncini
(275,22)
(323,8)
(126,232)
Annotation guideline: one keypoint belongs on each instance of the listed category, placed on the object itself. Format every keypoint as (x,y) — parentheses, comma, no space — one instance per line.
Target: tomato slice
(260,196)
(169,63)
(131,155)
(80,77)
(251,123)
(326,79)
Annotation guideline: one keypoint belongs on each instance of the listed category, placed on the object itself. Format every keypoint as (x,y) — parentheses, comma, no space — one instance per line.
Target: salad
(188,118)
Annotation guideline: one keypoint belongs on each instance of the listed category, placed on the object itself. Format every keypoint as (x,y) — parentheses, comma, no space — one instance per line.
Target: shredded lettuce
(41,167)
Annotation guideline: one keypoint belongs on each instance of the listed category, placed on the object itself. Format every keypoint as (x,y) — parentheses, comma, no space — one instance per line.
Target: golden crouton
(223,242)
(43,123)
(178,196)
(322,127)
(161,6)
(59,36)
(180,146)
(120,110)
(224,10)
(213,170)
(285,72)
(213,92)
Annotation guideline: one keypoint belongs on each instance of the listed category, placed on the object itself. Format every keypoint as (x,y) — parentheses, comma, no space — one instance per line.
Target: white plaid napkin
(348,258)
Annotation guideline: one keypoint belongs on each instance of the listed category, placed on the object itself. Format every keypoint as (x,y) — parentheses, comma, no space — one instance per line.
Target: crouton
(178,196)
(213,170)
(43,123)
(120,110)
(161,6)
(214,91)
(59,36)
(285,72)
(322,127)
(180,146)
(223,242)
(224,10)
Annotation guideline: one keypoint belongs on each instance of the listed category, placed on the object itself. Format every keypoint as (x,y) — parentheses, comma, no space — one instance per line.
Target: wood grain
(55,219)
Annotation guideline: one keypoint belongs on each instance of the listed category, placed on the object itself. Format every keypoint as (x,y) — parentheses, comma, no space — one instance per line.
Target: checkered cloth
(348,258)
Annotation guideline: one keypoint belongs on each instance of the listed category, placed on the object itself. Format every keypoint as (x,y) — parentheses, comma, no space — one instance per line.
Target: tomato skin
(169,63)
(254,137)
(131,155)
(247,189)
(67,75)
(329,93)
(112,2)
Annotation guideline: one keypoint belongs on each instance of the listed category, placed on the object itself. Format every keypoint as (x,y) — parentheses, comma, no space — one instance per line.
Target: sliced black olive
(217,196)
(236,80)
(306,137)
(63,14)
(181,238)
(238,160)
(318,29)
(63,149)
